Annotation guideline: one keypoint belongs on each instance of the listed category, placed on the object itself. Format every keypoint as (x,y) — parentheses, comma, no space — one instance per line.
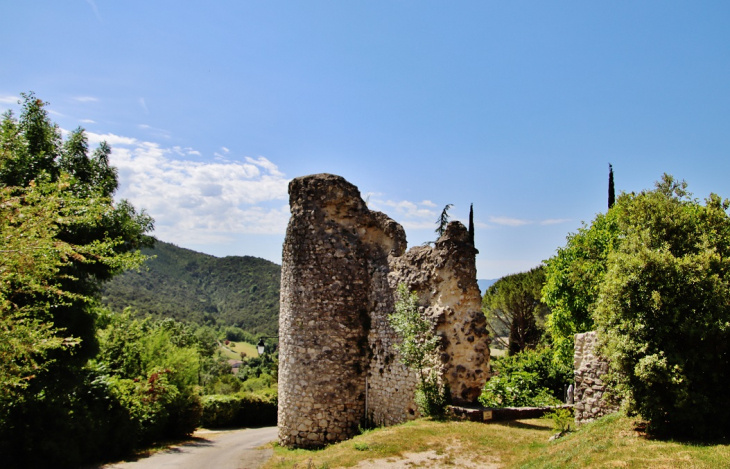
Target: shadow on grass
(523,425)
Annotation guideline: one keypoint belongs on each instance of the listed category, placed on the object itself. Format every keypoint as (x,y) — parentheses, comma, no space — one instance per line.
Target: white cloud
(408,209)
(506,221)
(55,113)
(111,139)
(87,121)
(85,99)
(144,105)
(225,150)
(185,151)
(554,221)
(9,99)
(411,215)
(200,202)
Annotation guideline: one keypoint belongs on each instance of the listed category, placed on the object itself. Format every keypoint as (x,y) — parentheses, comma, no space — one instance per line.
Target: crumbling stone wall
(444,276)
(590,389)
(341,265)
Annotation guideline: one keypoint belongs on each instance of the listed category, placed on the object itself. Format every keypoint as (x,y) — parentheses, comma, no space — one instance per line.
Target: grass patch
(476,442)
(613,441)
(233,352)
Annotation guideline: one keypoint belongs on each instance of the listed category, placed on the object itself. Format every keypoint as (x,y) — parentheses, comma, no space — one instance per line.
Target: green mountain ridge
(190,286)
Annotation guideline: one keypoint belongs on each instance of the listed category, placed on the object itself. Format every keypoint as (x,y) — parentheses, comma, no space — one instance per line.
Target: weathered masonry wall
(590,389)
(444,276)
(341,265)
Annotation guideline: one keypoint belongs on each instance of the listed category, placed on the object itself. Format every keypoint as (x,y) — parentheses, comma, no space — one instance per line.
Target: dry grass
(611,442)
(448,444)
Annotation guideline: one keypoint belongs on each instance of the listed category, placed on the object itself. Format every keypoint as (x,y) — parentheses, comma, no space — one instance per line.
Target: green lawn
(233,350)
(611,442)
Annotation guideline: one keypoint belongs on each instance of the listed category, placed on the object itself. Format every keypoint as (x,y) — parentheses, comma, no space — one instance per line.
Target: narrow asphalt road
(230,449)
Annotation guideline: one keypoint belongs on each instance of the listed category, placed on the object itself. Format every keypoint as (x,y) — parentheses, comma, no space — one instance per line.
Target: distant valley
(240,291)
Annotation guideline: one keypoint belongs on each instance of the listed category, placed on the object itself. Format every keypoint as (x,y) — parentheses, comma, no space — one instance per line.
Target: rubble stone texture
(340,269)
(590,400)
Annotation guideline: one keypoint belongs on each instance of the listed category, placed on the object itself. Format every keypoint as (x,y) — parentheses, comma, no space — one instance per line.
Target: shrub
(432,396)
(417,350)
(240,410)
(519,389)
(551,374)
(562,419)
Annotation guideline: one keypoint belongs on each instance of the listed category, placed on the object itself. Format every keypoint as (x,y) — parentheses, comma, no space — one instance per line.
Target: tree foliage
(61,236)
(611,190)
(443,221)
(513,303)
(417,349)
(572,280)
(663,310)
(471,224)
(653,276)
(234,291)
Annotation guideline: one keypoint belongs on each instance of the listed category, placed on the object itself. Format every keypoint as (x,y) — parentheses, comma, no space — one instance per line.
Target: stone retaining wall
(590,389)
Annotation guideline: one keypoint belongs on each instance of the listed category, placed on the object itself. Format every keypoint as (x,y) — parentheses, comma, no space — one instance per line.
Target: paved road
(232,449)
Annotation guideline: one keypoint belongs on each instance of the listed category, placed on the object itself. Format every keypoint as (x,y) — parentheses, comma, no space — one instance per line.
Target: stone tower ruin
(341,266)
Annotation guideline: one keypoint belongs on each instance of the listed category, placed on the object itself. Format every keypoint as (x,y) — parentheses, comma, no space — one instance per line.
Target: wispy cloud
(155,131)
(225,150)
(507,221)
(199,202)
(92,3)
(411,215)
(5,99)
(85,99)
(144,105)
(87,121)
(554,221)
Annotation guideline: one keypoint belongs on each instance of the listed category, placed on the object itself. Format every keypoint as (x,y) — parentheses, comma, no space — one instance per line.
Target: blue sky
(517,107)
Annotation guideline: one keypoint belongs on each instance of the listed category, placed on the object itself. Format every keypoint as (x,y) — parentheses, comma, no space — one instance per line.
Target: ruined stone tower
(341,265)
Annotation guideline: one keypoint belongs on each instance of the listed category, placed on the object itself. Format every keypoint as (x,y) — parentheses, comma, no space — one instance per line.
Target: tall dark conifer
(471,224)
(611,193)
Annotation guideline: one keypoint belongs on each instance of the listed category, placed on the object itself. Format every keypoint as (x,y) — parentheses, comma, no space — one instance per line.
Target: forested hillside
(191,286)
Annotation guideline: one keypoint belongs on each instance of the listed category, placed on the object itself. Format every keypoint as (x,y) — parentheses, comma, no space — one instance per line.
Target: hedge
(239,410)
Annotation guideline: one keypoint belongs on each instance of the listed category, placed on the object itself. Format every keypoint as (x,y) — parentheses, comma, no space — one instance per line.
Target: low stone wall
(490,414)
(590,389)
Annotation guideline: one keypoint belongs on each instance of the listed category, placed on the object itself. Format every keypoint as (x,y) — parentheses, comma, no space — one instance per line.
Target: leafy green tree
(62,236)
(513,303)
(652,275)
(32,152)
(663,310)
(572,280)
(417,350)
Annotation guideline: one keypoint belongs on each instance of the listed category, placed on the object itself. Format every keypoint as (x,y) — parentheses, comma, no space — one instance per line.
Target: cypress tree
(471,224)
(611,193)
